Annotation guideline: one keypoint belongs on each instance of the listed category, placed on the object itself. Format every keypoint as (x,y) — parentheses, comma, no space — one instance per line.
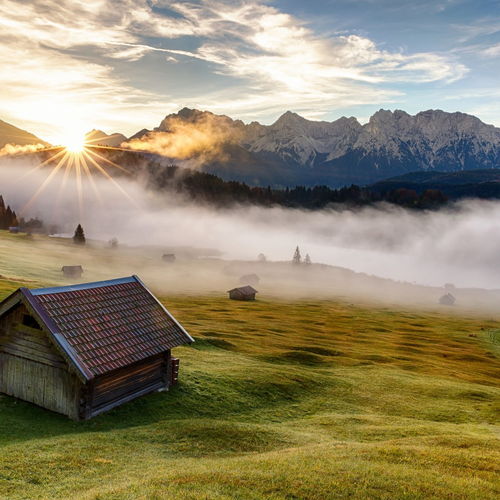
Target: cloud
(282,60)
(49,83)
(492,51)
(60,60)
(201,140)
(478,28)
(14,149)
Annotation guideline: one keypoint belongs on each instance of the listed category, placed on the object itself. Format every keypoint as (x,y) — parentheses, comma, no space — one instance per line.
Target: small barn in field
(84,349)
(168,257)
(72,271)
(447,300)
(242,293)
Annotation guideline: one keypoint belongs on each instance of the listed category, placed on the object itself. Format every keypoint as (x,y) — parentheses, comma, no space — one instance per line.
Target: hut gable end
(21,336)
(31,368)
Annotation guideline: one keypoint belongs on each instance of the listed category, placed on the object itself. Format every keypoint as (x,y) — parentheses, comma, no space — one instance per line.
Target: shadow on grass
(200,394)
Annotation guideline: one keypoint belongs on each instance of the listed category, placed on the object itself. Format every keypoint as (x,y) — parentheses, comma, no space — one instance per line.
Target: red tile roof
(107,325)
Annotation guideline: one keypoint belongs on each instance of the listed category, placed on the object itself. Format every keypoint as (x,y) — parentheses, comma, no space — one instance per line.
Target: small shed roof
(104,325)
(245,290)
(71,268)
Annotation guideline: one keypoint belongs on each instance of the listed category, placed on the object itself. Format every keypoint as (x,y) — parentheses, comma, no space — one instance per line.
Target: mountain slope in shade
(98,137)
(455,185)
(296,150)
(9,134)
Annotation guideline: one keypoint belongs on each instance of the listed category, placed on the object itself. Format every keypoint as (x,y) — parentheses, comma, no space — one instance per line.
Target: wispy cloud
(492,51)
(59,61)
(485,26)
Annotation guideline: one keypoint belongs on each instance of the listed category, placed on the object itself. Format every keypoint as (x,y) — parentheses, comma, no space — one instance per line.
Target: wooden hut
(72,271)
(249,279)
(81,350)
(242,293)
(168,257)
(447,300)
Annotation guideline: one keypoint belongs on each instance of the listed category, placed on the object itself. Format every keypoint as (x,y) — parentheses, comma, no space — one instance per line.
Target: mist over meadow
(460,244)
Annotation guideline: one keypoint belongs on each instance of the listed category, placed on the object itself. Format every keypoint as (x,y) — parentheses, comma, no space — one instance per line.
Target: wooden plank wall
(46,386)
(125,383)
(31,369)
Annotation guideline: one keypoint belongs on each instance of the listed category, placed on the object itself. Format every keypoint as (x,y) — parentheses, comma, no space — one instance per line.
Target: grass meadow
(279,399)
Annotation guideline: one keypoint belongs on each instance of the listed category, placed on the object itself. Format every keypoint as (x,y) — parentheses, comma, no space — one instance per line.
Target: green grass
(283,400)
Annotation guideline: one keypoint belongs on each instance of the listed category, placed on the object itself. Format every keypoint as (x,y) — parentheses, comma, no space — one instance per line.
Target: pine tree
(3,221)
(9,218)
(79,236)
(261,257)
(307,260)
(14,222)
(297,259)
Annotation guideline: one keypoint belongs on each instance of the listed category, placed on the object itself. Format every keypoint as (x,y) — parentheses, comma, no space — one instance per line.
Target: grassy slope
(283,399)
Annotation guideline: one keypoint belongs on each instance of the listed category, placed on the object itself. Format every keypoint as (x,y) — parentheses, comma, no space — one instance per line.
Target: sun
(74,144)
(73,140)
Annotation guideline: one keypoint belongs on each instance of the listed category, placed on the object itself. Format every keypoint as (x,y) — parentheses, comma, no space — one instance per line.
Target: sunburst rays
(83,164)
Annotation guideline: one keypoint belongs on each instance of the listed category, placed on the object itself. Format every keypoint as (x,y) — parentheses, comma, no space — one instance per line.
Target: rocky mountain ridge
(344,151)
(294,150)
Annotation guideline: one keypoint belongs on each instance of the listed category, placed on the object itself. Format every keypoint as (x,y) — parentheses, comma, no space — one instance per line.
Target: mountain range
(294,150)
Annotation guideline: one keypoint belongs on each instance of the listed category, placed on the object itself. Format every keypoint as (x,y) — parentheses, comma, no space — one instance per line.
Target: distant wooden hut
(81,350)
(249,279)
(242,293)
(72,271)
(447,300)
(168,257)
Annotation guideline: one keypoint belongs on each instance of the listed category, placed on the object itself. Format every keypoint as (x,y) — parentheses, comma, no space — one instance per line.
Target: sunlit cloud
(59,62)
(493,51)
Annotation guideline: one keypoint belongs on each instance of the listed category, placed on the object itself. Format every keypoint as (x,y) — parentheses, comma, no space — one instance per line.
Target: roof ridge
(82,286)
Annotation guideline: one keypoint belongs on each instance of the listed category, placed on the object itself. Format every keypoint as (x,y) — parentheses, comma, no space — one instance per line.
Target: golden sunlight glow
(77,156)
(74,143)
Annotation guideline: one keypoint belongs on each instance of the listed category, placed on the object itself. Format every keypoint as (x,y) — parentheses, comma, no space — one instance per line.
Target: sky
(121,66)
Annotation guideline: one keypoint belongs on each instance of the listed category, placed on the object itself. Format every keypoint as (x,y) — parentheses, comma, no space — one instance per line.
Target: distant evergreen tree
(261,257)
(79,236)
(8,217)
(297,259)
(307,260)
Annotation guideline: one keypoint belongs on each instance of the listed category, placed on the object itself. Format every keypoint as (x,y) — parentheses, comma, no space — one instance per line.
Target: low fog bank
(460,245)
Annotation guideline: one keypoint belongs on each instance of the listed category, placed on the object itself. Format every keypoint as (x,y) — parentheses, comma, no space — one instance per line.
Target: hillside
(9,134)
(455,185)
(281,398)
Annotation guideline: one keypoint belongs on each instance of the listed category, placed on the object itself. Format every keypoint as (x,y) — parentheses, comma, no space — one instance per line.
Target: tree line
(209,188)
(8,218)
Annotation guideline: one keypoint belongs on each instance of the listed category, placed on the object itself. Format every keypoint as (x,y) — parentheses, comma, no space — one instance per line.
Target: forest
(208,188)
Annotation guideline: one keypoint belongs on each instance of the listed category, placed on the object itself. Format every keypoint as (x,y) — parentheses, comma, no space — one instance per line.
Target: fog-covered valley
(458,245)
